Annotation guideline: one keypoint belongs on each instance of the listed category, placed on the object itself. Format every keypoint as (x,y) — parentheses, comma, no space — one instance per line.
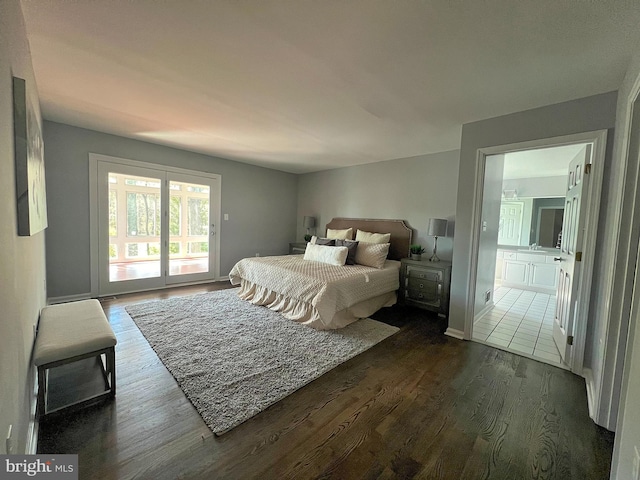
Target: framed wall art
(29,155)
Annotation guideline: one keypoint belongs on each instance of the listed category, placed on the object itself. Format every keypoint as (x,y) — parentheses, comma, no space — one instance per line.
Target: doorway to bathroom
(531,277)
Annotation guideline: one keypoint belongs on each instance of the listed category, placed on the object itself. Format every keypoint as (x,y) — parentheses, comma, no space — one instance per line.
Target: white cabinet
(544,275)
(515,273)
(533,271)
(499,265)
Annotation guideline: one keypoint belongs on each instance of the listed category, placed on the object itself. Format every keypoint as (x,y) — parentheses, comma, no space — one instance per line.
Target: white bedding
(316,294)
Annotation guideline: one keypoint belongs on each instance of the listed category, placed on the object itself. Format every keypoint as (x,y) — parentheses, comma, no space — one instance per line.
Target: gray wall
(261,202)
(413,189)
(22,259)
(583,115)
(488,246)
(537,186)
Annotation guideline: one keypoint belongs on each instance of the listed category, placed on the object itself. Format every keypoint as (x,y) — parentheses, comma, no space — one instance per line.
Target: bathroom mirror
(525,221)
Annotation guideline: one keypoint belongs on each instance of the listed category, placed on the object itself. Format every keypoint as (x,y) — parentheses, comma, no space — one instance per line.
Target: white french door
(570,257)
(191,228)
(154,227)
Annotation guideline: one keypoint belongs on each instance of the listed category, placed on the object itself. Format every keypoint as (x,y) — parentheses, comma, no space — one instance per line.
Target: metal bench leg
(111,369)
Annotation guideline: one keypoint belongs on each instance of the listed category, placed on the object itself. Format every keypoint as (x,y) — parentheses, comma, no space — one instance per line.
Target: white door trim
(608,390)
(94,159)
(598,138)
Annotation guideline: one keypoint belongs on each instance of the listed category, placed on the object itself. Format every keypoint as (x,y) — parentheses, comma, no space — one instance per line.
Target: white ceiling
(303,86)
(542,162)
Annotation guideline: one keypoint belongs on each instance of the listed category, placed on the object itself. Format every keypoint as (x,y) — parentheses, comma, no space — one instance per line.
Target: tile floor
(521,322)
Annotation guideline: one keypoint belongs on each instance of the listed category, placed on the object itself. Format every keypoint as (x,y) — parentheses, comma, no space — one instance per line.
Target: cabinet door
(516,272)
(544,275)
(499,264)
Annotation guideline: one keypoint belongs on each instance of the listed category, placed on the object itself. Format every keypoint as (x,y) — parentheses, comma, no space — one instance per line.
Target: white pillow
(368,237)
(326,254)
(346,234)
(372,254)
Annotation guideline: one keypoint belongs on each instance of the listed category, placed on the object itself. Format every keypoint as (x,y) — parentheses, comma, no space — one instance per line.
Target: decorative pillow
(372,254)
(368,237)
(322,241)
(353,248)
(326,254)
(346,234)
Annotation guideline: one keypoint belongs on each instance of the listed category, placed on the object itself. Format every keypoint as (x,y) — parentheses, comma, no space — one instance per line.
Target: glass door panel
(130,206)
(191,228)
(188,228)
(135,213)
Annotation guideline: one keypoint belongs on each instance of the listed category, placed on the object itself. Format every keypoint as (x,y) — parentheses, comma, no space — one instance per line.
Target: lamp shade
(309,222)
(437,227)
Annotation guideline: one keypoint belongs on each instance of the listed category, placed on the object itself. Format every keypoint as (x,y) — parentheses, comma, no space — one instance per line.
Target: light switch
(226,216)
(484,226)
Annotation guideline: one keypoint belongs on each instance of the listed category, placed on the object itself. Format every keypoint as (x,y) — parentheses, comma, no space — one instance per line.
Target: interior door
(510,226)
(571,252)
(155,228)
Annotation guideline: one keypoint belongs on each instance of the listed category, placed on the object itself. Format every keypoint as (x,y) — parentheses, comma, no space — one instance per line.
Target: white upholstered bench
(70,332)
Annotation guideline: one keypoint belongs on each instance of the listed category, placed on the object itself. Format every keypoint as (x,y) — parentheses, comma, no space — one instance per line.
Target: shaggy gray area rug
(233,359)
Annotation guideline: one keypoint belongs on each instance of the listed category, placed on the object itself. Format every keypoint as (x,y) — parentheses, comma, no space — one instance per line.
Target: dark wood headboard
(401,233)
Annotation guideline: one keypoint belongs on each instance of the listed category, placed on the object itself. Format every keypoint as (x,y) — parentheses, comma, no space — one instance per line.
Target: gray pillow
(325,241)
(352,247)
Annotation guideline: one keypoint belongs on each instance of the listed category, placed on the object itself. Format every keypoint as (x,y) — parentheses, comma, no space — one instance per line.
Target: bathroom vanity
(521,267)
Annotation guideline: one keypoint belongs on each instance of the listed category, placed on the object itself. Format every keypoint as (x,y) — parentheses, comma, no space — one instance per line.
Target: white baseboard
(69,298)
(588,380)
(452,332)
(32,439)
(592,403)
(32,432)
(486,309)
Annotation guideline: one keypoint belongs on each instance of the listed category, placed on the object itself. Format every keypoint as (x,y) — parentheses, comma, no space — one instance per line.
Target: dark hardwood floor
(417,405)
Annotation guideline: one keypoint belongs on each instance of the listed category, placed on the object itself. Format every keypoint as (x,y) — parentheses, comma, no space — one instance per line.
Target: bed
(323,295)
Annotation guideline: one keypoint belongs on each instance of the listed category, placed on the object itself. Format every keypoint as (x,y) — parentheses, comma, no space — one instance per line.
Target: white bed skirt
(306,313)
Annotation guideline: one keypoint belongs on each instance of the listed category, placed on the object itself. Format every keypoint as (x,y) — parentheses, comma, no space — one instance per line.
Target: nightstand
(425,284)
(297,248)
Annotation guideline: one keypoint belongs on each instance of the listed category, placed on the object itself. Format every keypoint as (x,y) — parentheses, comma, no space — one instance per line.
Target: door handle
(557,259)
